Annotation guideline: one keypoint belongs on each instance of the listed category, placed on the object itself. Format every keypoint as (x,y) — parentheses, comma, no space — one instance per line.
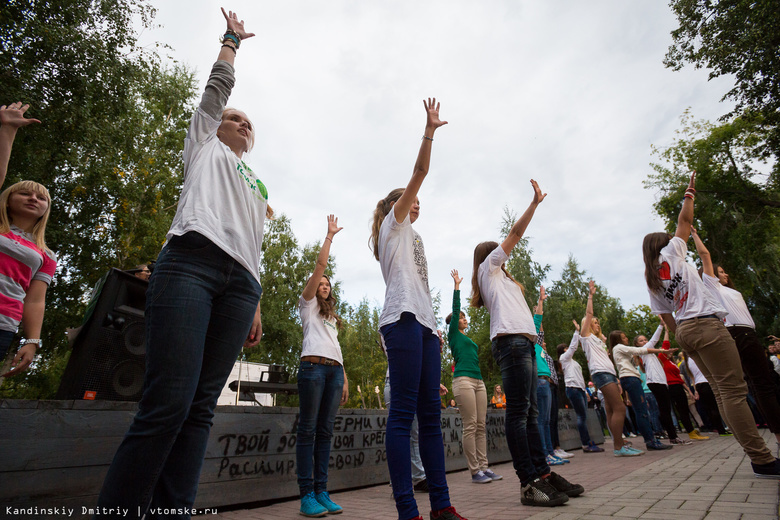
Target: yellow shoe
(696,436)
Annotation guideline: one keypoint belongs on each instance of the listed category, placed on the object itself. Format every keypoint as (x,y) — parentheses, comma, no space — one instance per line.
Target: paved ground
(709,480)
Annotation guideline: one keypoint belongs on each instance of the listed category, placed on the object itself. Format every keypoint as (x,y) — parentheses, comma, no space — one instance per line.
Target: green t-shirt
(465,351)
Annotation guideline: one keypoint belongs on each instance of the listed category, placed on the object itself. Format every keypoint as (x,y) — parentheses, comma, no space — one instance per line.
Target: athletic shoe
(492,475)
(626,451)
(592,448)
(564,486)
(311,507)
(726,434)
(539,492)
(422,486)
(562,454)
(658,446)
(635,450)
(325,501)
(552,460)
(680,442)
(770,470)
(696,436)
(447,513)
(480,478)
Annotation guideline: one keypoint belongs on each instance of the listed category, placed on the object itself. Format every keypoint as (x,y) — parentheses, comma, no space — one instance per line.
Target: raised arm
(322,259)
(517,231)
(656,336)
(704,254)
(11,119)
(432,122)
(455,319)
(685,218)
(573,345)
(540,304)
(234,35)
(588,310)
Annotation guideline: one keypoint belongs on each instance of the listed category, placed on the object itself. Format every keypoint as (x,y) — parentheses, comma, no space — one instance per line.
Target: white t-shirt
(405,270)
(698,377)
(732,301)
(623,355)
(320,335)
(572,371)
(598,357)
(684,292)
(503,298)
(222,198)
(654,369)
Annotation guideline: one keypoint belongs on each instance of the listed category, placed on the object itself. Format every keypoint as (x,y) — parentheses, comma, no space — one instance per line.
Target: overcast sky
(572,94)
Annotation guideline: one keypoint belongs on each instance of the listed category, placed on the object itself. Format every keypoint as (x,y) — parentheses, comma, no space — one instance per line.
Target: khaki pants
(713,349)
(471,396)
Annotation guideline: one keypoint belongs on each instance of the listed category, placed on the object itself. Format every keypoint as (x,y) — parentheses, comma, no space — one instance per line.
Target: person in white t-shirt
(513,335)
(408,327)
(740,325)
(694,314)
(322,384)
(202,304)
(604,376)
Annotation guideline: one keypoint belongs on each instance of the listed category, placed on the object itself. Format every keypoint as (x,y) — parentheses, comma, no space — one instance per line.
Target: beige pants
(471,396)
(713,349)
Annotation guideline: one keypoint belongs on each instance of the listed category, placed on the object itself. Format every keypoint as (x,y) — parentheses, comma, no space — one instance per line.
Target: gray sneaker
(492,475)
(480,478)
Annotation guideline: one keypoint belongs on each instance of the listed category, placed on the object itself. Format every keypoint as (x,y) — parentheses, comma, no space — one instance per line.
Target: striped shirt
(21,261)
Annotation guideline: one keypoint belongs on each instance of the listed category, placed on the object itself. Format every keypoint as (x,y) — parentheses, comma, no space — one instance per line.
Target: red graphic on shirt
(681,301)
(664,272)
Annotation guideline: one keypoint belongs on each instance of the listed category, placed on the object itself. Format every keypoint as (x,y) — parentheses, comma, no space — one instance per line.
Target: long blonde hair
(380,212)
(39,229)
(481,252)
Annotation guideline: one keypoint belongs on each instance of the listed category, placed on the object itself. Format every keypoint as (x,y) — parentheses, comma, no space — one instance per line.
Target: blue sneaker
(480,478)
(310,507)
(552,460)
(325,501)
(492,475)
(627,451)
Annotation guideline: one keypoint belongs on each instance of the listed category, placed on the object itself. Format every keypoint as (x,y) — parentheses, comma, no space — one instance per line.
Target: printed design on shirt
(677,292)
(419,258)
(665,272)
(258,188)
(331,324)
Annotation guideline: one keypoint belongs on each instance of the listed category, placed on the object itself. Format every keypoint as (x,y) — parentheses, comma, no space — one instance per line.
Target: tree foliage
(737,205)
(739,38)
(109,148)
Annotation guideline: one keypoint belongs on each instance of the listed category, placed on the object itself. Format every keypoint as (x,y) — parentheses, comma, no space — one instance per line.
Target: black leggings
(710,404)
(680,402)
(758,371)
(661,393)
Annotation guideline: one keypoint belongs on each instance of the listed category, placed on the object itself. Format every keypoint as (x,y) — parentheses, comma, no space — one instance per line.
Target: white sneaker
(562,454)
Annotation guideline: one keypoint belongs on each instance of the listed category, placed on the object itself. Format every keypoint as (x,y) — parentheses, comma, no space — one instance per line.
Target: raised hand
(13,115)
(692,182)
(454,274)
(233,24)
(538,196)
(576,325)
(432,111)
(333,225)
(542,294)
(591,287)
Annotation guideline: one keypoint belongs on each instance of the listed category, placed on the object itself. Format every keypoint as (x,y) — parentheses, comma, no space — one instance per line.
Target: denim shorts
(602,379)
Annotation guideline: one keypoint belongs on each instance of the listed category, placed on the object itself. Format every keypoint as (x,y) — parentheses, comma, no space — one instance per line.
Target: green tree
(739,38)
(114,120)
(364,360)
(737,205)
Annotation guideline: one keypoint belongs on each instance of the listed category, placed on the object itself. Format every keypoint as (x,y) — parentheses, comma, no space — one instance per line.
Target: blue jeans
(516,357)
(544,401)
(319,391)
(6,338)
(414,360)
(655,414)
(633,387)
(199,308)
(580,404)
(418,472)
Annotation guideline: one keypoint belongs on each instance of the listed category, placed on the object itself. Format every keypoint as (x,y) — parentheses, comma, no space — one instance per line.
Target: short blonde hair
(39,229)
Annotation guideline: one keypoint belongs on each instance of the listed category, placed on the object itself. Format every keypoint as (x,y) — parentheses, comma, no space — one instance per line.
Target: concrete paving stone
(698,505)
(723,516)
(759,498)
(632,511)
(655,494)
(667,505)
(744,508)
(668,515)
(732,497)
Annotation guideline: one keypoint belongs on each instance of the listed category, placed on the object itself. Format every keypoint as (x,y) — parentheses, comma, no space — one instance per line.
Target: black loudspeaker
(107,361)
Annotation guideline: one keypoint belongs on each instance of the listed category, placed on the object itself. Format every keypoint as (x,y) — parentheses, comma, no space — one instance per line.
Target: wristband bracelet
(328,238)
(428,138)
(230,37)
(230,47)
(233,33)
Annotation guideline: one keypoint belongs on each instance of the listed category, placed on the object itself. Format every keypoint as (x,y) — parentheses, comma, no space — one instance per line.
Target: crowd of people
(203,308)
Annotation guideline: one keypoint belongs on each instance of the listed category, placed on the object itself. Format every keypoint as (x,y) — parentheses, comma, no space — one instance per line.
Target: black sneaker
(539,493)
(422,486)
(564,486)
(770,470)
